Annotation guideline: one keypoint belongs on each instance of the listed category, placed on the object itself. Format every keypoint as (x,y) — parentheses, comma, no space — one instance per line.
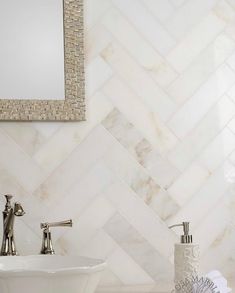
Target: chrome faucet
(9,213)
(47,246)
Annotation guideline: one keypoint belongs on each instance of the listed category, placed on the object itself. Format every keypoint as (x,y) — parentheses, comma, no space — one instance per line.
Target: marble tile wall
(158,146)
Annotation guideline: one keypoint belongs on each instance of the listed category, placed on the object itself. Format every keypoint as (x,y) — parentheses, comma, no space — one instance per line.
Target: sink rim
(88,265)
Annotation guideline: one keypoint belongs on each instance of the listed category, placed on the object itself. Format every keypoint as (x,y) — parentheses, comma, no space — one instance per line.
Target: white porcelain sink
(49,274)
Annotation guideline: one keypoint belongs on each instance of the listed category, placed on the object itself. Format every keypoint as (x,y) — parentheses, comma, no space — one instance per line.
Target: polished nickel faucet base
(47,246)
(8,247)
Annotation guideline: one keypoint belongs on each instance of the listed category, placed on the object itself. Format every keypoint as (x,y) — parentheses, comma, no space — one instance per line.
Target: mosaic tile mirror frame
(72,106)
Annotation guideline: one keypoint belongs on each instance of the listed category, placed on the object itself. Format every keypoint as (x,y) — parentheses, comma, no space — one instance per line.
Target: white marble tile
(14,159)
(85,227)
(188,183)
(145,221)
(151,261)
(162,9)
(101,246)
(195,41)
(164,74)
(224,11)
(97,73)
(232,3)
(79,161)
(93,215)
(231,93)
(108,278)
(219,253)
(36,212)
(231,125)
(220,82)
(49,156)
(177,3)
(169,207)
(215,120)
(213,190)
(121,263)
(215,222)
(162,171)
(153,129)
(146,56)
(229,30)
(157,165)
(46,130)
(188,16)
(159,168)
(218,150)
(117,159)
(9,185)
(139,81)
(125,33)
(143,20)
(96,40)
(94,10)
(82,192)
(201,68)
(122,130)
(124,166)
(129,137)
(25,135)
(137,167)
(231,61)
(30,244)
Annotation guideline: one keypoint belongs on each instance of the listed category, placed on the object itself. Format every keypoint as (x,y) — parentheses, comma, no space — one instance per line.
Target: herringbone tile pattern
(158,146)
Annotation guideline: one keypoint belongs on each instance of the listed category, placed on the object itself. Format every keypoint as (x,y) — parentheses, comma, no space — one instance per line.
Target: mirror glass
(31,49)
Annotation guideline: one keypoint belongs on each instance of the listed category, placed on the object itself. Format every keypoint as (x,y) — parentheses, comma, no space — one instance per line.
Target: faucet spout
(9,213)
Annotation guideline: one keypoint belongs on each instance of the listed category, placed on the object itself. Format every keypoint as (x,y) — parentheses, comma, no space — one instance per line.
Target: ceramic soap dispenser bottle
(186,255)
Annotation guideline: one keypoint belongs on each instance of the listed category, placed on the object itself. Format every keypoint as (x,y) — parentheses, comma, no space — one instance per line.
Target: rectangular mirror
(41,60)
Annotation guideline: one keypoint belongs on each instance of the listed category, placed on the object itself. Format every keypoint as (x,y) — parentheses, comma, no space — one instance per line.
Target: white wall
(157,147)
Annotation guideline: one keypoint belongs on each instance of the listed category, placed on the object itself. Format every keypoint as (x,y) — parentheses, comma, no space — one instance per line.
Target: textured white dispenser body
(186,261)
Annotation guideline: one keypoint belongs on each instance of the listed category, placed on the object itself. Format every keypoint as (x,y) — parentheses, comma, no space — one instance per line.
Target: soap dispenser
(186,255)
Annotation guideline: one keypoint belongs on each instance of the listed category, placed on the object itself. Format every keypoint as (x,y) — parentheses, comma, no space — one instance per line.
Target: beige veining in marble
(157,147)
